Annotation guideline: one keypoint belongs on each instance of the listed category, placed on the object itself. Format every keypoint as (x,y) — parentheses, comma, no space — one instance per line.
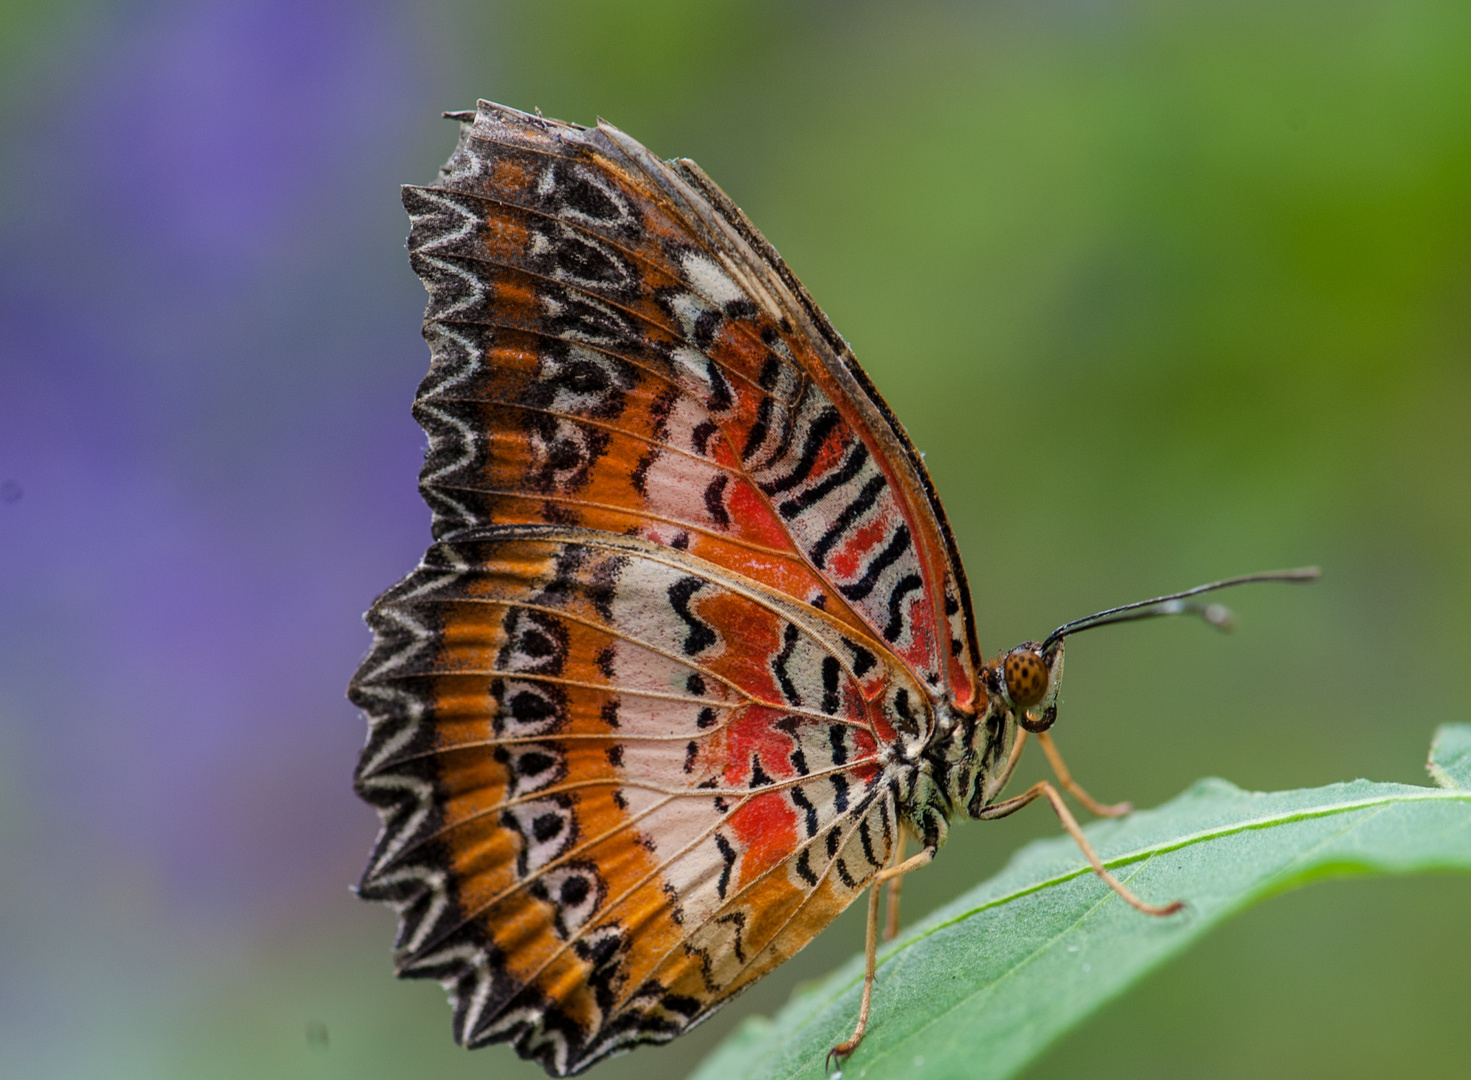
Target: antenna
(1218,615)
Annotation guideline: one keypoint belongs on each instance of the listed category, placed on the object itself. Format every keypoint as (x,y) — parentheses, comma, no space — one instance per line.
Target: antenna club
(1220,616)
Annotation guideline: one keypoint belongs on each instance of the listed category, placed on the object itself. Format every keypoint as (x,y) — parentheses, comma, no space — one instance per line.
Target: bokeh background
(1166,292)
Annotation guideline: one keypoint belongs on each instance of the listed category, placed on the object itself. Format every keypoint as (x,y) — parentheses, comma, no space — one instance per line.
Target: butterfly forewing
(616,350)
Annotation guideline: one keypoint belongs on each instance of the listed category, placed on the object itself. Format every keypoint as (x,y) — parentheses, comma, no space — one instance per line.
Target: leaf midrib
(1423,795)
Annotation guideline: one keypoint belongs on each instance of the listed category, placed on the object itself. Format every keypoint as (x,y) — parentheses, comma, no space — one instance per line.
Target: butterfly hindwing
(617,782)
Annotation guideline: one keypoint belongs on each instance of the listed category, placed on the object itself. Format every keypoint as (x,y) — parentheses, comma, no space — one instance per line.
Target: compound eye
(1026,677)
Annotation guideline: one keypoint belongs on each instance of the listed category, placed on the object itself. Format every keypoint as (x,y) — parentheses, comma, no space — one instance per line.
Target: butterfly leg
(1065,778)
(871,949)
(1070,823)
(891,910)
(999,781)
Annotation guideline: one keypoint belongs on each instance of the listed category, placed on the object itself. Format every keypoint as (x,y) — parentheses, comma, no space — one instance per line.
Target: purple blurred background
(200,407)
(210,337)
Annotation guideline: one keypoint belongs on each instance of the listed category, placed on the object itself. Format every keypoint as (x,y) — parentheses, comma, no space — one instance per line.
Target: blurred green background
(1166,292)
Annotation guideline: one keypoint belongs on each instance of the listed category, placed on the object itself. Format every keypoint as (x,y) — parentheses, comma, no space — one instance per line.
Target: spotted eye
(1026,677)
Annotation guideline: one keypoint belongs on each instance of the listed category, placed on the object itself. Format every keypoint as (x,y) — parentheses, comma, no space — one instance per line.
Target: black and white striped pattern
(841,509)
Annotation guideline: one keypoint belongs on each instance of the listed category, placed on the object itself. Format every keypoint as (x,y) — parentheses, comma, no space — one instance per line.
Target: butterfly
(692,655)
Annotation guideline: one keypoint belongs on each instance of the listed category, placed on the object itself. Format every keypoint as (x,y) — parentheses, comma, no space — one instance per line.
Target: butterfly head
(1028,679)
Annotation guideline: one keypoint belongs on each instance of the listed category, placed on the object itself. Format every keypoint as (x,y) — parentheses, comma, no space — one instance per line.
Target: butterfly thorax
(966,751)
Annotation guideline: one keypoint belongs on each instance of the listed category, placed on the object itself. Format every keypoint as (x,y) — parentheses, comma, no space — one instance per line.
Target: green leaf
(1450,756)
(983,985)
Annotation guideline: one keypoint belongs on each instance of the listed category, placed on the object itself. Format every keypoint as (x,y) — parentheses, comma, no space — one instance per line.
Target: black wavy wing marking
(898,437)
